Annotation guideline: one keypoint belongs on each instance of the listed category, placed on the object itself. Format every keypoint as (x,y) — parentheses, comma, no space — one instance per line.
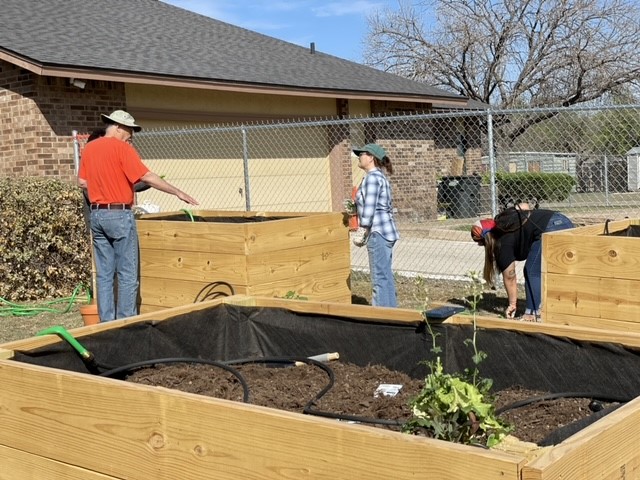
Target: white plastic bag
(359,237)
(149,207)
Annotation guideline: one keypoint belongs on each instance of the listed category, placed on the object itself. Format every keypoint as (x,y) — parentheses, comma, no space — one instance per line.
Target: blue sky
(336,27)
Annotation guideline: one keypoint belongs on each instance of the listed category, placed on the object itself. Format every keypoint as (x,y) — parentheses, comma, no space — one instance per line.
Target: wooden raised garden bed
(267,254)
(64,423)
(592,278)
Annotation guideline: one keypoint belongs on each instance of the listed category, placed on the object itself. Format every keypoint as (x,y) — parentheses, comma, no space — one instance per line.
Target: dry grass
(16,327)
(410,295)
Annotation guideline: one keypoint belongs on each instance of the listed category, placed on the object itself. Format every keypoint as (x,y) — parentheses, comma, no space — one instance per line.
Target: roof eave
(209,84)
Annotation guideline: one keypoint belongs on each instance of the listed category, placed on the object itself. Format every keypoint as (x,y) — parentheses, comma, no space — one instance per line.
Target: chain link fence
(449,170)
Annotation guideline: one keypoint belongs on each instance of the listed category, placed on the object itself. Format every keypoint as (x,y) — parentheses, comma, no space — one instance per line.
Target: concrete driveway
(438,258)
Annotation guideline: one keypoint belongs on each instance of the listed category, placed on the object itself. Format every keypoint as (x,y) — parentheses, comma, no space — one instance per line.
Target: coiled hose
(8,309)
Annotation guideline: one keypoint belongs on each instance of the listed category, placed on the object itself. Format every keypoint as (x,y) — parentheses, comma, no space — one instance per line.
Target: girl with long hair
(514,235)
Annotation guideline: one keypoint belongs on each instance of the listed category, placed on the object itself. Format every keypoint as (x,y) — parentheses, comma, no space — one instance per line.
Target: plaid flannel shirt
(374,203)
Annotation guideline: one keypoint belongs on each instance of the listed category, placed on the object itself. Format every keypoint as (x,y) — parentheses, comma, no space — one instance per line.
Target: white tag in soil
(387,389)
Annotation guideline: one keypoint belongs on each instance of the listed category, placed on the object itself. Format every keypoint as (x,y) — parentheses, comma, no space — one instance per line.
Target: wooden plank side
(372,314)
(289,263)
(151,308)
(572,295)
(240,238)
(141,432)
(598,229)
(194,266)
(607,449)
(601,256)
(192,236)
(18,465)
(292,233)
(631,339)
(218,213)
(167,293)
(591,322)
(318,286)
(594,297)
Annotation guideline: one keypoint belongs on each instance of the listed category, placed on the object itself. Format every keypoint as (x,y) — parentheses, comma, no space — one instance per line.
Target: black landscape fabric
(228,332)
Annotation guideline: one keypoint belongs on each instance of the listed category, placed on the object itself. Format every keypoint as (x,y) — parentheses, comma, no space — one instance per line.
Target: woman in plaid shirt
(375,215)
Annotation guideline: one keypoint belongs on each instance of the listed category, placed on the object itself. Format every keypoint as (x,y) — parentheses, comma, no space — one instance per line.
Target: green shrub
(526,186)
(44,241)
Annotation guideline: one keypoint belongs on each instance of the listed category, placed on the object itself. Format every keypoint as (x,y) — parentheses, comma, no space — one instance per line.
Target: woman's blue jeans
(115,247)
(382,281)
(533,265)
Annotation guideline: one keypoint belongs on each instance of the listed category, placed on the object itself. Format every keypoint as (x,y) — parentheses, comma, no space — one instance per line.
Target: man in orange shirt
(109,169)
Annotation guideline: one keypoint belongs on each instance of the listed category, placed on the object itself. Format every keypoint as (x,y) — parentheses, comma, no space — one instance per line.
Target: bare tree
(512,53)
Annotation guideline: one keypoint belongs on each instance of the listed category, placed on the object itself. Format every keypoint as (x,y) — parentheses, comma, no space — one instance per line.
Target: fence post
(245,164)
(606,179)
(76,151)
(492,164)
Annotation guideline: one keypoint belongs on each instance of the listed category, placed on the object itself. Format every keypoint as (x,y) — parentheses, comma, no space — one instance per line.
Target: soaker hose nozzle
(323,357)
(87,357)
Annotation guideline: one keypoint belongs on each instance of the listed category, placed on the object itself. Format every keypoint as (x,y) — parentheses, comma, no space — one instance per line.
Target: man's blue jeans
(533,265)
(115,246)
(380,259)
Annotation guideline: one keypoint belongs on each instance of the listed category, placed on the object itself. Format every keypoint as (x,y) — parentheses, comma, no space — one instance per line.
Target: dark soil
(292,388)
(352,395)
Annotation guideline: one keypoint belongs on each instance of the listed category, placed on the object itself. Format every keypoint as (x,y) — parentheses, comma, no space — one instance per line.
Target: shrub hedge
(44,240)
(527,186)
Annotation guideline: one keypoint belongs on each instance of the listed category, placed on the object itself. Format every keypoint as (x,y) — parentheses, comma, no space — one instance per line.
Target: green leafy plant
(475,291)
(457,407)
(350,206)
(292,295)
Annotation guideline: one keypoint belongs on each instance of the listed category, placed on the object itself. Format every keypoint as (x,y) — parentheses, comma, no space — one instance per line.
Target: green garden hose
(8,309)
(188,212)
(87,357)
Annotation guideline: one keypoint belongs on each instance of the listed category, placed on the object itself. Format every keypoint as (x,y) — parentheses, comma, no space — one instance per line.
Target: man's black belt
(110,206)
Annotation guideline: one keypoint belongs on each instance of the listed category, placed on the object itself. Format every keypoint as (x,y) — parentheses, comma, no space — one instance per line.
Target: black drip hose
(227,365)
(157,361)
(209,292)
(553,396)
(308,408)
(351,418)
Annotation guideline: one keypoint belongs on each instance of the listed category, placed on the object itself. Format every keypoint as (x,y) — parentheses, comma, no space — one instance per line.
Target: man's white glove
(359,237)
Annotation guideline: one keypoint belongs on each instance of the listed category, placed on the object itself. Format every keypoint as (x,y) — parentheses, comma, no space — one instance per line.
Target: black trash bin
(459,196)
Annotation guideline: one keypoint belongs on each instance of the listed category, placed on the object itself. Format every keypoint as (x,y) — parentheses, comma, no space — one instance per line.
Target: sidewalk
(432,253)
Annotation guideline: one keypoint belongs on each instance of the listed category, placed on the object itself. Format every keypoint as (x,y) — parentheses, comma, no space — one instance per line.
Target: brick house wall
(38,115)
(417,167)
(422,152)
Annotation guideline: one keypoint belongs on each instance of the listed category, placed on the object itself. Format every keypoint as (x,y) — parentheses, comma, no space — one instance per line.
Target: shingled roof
(148,41)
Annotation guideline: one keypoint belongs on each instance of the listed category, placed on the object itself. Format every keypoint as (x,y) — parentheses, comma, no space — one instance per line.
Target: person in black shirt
(516,235)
